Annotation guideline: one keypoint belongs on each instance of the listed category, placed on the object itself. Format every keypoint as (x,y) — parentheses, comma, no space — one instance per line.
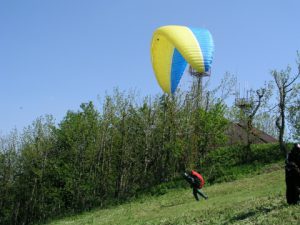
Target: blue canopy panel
(206,44)
(177,69)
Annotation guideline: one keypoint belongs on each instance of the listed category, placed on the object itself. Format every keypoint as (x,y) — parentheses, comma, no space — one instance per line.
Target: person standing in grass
(196,181)
(292,175)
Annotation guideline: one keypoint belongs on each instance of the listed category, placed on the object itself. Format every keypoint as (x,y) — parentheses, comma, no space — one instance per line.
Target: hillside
(258,199)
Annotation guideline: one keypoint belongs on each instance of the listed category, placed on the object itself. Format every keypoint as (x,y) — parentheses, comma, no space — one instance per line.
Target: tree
(287,89)
(9,163)
(210,128)
(204,111)
(77,145)
(257,99)
(294,119)
(32,186)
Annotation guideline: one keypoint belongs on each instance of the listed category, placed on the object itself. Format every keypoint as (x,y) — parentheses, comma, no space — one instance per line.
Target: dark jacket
(292,175)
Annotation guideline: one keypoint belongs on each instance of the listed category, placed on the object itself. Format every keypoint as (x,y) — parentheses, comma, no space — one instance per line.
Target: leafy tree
(294,119)
(210,127)
(287,89)
(9,162)
(78,142)
(31,186)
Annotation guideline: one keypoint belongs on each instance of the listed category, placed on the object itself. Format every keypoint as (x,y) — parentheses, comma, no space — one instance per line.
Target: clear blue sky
(57,54)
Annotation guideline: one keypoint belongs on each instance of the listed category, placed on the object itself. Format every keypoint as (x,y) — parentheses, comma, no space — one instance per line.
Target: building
(237,134)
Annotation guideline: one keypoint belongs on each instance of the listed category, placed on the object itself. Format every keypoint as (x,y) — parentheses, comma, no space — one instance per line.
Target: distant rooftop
(237,135)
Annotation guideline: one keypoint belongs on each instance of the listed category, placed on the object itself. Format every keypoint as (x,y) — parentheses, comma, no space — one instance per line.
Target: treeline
(95,157)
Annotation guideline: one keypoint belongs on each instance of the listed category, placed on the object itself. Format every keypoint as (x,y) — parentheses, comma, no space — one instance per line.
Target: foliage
(94,158)
(287,90)
(294,119)
(229,163)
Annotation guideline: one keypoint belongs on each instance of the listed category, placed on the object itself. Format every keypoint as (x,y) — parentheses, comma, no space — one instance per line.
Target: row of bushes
(229,163)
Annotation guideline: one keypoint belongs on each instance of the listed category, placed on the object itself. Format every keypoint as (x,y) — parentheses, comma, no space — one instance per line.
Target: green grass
(259,199)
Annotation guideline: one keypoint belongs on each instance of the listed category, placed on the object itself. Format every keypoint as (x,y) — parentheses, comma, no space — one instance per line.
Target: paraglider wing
(174,47)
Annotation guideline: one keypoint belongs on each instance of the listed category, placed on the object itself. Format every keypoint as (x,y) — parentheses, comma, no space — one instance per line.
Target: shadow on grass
(254,212)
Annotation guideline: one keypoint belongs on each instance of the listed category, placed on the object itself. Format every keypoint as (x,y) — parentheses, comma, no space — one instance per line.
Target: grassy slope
(258,199)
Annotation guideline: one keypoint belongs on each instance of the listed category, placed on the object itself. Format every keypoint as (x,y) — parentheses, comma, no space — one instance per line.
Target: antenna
(199,88)
(245,103)
(197,74)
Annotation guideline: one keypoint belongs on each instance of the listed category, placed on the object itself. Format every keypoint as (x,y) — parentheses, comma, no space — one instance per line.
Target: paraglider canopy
(174,48)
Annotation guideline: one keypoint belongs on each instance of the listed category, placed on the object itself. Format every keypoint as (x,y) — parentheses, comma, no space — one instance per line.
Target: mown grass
(258,199)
